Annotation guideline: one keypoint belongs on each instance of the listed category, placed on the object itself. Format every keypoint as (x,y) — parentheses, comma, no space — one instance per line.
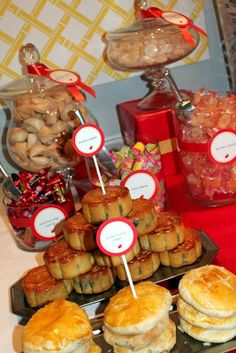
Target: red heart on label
(90,147)
(119,246)
(226,156)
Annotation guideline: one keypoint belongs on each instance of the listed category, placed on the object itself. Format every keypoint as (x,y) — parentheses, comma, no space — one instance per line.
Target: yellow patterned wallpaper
(68,33)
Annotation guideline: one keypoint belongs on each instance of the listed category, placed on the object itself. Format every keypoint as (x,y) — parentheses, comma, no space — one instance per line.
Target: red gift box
(151,126)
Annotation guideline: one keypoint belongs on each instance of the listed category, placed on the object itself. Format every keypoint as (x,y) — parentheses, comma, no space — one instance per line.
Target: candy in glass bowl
(207,142)
(149,45)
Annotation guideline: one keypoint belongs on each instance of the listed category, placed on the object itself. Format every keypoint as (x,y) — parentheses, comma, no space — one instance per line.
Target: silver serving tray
(184,343)
(170,275)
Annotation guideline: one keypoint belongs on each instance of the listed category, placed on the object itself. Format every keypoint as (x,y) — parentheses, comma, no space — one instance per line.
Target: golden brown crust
(80,234)
(196,317)
(141,267)
(128,315)
(64,262)
(161,344)
(98,279)
(139,341)
(109,261)
(184,254)
(210,289)
(98,207)
(168,233)
(40,287)
(207,335)
(143,216)
(57,326)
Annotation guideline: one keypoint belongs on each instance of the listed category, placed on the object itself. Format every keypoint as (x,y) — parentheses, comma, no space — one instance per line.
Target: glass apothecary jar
(20,215)
(207,143)
(42,123)
(149,45)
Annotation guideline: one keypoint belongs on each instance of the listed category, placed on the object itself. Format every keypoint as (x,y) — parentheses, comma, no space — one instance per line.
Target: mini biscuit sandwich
(137,324)
(207,304)
(59,327)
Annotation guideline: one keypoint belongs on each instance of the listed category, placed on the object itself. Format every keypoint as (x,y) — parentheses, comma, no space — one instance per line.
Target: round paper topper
(65,77)
(175,18)
(116,236)
(141,183)
(222,147)
(45,219)
(88,140)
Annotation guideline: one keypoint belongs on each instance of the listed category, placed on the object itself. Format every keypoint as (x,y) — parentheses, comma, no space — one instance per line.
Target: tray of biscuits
(202,320)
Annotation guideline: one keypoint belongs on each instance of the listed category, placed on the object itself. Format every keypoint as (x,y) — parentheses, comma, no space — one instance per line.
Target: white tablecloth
(13,264)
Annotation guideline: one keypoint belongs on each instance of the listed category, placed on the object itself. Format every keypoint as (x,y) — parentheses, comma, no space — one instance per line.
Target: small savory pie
(98,207)
(168,233)
(143,216)
(80,234)
(141,267)
(96,280)
(63,262)
(184,254)
(41,288)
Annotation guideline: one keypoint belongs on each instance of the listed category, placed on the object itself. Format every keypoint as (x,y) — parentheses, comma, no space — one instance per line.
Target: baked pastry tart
(143,216)
(96,280)
(109,261)
(80,234)
(41,288)
(168,233)
(63,262)
(141,267)
(61,326)
(98,207)
(184,254)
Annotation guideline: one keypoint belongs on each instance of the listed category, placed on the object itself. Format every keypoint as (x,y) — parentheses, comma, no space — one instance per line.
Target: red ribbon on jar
(174,18)
(30,56)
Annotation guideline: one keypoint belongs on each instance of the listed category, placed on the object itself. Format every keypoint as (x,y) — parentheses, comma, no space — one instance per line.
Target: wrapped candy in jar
(44,195)
(207,142)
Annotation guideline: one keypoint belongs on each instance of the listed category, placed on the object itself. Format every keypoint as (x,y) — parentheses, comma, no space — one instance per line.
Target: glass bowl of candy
(36,215)
(149,42)
(149,45)
(207,142)
(42,123)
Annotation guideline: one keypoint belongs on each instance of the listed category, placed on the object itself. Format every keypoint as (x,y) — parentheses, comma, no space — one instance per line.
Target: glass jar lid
(145,25)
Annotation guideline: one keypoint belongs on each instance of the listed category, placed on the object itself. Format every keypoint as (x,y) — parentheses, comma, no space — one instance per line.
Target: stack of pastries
(207,304)
(140,324)
(74,261)
(61,327)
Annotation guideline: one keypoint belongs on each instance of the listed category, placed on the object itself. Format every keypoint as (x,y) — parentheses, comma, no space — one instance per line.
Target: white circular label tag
(88,140)
(64,77)
(175,18)
(45,219)
(116,236)
(141,183)
(222,147)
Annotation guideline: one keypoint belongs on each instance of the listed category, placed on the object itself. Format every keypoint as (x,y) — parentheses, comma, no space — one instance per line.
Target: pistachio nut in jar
(207,143)
(42,123)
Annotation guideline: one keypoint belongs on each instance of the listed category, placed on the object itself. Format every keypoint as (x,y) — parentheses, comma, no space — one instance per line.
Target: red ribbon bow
(42,70)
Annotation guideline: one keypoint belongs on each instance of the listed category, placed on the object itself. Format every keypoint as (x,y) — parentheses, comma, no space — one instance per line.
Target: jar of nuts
(207,143)
(42,123)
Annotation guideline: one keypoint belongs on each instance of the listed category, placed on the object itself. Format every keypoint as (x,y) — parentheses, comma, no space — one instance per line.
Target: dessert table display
(136,251)
(219,223)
